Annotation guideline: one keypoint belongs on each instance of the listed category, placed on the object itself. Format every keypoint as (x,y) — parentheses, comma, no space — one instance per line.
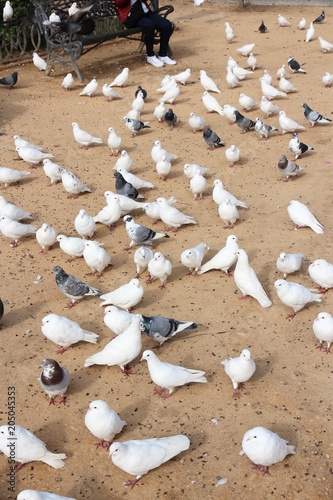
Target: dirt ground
(290,392)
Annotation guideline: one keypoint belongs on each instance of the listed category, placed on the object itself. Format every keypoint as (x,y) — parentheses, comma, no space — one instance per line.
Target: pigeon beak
(142,359)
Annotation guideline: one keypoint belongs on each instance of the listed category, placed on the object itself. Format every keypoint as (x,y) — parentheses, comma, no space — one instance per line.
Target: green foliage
(22,8)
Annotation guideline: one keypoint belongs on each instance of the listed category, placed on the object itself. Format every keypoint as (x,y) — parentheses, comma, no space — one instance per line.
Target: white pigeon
(171,94)
(96,258)
(27,448)
(252,62)
(46,236)
(295,295)
(191,168)
(246,50)
(116,319)
(265,448)
(288,263)
(73,9)
(126,296)
(321,272)
(268,107)
(247,102)
(136,181)
(229,112)
(231,62)
(281,71)
(232,79)
(288,124)
(198,185)
(110,93)
(232,154)
(10,175)
(160,110)
(84,138)
(68,81)
(40,495)
(138,456)
(84,224)
(7,12)
(65,332)
(283,22)
(168,376)
(12,211)
(196,122)
(14,229)
(142,256)
(72,184)
(126,203)
(323,330)
(133,114)
(211,103)
(224,259)
(125,161)
(247,280)
(152,209)
(228,28)
(239,370)
(193,257)
(114,141)
(121,350)
(325,45)
(167,83)
(138,102)
(121,79)
(39,62)
(163,168)
(286,86)
(220,194)
(229,35)
(103,422)
(23,143)
(110,214)
(228,213)
(302,24)
(52,170)
(327,79)
(302,217)
(269,91)
(158,152)
(241,73)
(172,216)
(32,155)
(54,18)
(310,33)
(208,83)
(267,77)
(183,76)
(159,267)
(71,245)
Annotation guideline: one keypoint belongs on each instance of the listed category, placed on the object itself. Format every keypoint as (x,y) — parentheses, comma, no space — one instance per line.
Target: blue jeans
(151,22)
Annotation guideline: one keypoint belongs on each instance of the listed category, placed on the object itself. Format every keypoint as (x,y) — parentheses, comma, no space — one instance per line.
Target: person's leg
(165,27)
(149,32)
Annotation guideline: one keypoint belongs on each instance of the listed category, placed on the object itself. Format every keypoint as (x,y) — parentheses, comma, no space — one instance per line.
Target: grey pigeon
(162,329)
(243,122)
(263,129)
(170,118)
(262,28)
(144,92)
(211,138)
(288,168)
(295,66)
(312,116)
(297,147)
(9,81)
(54,379)
(135,125)
(73,287)
(140,235)
(320,19)
(125,188)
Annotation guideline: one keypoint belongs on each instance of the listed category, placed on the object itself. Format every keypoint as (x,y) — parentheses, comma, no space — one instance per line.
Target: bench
(65,49)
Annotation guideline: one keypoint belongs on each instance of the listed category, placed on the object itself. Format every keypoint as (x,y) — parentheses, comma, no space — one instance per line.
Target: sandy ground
(290,392)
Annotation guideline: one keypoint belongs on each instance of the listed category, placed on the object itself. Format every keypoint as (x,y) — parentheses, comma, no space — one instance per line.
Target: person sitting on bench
(136,13)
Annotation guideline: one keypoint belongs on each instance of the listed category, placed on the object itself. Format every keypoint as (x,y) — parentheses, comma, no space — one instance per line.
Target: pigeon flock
(157,247)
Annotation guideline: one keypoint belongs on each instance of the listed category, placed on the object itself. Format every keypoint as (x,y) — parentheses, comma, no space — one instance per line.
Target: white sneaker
(167,60)
(154,61)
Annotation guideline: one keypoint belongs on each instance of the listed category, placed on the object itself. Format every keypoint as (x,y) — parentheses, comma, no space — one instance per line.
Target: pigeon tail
(55,460)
